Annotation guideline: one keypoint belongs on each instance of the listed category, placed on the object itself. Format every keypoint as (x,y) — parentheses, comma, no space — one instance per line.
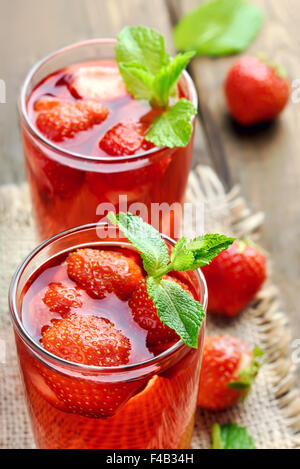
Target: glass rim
(51,145)
(29,341)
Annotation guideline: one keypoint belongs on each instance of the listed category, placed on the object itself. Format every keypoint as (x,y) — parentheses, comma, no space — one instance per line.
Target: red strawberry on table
(144,313)
(59,119)
(234,277)
(256,90)
(102,272)
(228,371)
(60,299)
(93,341)
(101,83)
(125,138)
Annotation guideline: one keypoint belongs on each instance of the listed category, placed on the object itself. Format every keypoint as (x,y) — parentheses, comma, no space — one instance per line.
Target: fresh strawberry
(125,138)
(256,91)
(234,277)
(228,371)
(93,341)
(61,119)
(88,340)
(61,299)
(128,139)
(102,272)
(145,314)
(98,83)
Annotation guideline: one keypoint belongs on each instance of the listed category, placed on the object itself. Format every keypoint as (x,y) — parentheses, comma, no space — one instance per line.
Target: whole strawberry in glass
(234,277)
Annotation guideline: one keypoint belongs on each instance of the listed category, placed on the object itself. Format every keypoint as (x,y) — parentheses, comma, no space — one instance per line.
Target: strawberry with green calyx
(256,90)
(98,82)
(231,436)
(175,307)
(151,75)
(228,371)
(234,277)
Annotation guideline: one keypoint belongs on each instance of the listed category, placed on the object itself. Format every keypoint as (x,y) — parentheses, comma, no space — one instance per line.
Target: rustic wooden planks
(265,162)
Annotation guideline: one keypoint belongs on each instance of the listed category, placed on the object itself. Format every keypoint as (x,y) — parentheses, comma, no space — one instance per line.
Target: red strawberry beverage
(99,367)
(86,139)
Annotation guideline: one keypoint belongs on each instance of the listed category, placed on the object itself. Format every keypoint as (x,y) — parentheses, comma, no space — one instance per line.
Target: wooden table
(266,162)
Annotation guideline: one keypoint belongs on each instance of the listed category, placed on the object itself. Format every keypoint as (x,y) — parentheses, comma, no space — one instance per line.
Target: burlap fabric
(272,411)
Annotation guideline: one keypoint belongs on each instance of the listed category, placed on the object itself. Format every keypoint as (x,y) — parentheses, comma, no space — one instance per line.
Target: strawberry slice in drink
(126,139)
(101,83)
(52,178)
(144,313)
(60,119)
(93,341)
(61,299)
(104,272)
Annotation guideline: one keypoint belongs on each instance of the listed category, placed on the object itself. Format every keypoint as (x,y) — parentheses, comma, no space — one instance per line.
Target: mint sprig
(175,307)
(218,27)
(231,436)
(151,75)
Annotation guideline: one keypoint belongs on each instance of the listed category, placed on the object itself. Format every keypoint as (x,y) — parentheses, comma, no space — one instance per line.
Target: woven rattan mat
(271,412)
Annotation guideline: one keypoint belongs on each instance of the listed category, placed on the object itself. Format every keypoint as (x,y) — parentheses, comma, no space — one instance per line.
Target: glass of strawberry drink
(84,140)
(99,368)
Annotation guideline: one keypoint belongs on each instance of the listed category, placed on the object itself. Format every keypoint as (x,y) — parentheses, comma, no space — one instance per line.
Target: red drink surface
(159,409)
(67,190)
(121,108)
(36,315)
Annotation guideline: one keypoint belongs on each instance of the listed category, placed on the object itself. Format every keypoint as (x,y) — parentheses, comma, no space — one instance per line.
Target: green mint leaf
(238,385)
(181,259)
(142,45)
(206,248)
(231,436)
(173,128)
(177,309)
(149,74)
(145,239)
(216,438)
(219,27)
(138,80)
(198,252)
(166,79)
